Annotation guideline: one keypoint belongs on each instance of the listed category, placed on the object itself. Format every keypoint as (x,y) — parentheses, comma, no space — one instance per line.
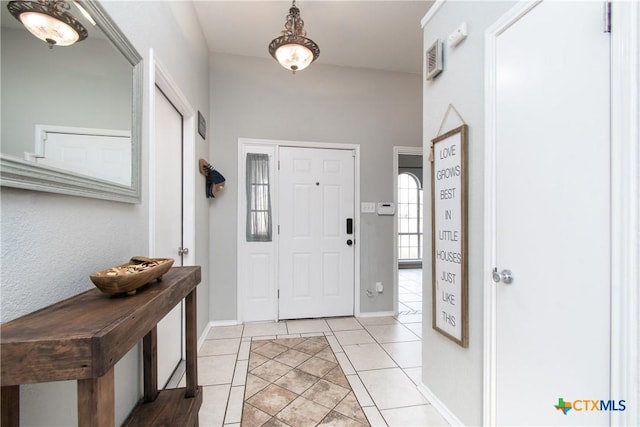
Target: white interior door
(88,152)
(552,216)
(316,253)
(168,219)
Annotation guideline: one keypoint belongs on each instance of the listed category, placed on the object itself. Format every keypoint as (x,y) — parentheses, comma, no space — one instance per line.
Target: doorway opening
(408,232)
(171,200)
(271,285)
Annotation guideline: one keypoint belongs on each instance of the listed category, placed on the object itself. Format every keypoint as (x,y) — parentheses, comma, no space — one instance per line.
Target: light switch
(368,207)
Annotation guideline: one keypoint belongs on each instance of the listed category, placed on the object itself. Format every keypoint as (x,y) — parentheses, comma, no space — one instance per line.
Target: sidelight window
(258,198)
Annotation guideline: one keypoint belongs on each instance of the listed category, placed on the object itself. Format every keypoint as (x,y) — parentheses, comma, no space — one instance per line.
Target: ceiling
(376,34)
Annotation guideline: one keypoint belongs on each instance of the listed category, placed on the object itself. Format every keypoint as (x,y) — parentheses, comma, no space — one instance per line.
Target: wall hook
(214,180)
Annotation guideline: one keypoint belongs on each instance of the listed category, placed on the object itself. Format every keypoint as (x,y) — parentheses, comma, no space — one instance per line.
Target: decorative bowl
(127,278)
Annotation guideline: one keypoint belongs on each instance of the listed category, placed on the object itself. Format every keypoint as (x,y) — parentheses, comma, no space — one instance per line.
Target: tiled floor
(380,356)
(409,291)
(292,373)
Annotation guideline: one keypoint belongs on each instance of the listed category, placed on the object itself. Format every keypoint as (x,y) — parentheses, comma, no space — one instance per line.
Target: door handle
(505,276)
(183,251)
(349,242)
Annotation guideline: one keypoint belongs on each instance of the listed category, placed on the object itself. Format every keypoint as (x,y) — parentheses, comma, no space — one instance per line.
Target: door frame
(160,77)
(397,151)
(625,202)
(242,142)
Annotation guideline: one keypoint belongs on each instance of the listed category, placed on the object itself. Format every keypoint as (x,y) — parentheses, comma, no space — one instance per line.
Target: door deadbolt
(505,276)
(349,242)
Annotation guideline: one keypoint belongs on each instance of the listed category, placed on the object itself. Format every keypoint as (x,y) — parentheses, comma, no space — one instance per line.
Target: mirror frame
(18,173)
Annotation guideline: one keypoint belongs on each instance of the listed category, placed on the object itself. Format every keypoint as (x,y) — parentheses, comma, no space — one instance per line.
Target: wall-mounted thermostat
(386,208)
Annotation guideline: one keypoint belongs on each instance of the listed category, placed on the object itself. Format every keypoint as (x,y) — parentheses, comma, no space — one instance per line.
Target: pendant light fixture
(293,50)
(49,21)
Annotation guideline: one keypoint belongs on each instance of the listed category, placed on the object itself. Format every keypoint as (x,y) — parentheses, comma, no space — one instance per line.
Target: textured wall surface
(51,243)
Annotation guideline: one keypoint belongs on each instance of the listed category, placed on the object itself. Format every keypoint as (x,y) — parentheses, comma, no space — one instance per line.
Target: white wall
(51,243)
(450,372)
(257,98)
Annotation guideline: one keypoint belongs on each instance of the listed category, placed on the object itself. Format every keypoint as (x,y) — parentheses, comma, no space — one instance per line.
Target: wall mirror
(71,115)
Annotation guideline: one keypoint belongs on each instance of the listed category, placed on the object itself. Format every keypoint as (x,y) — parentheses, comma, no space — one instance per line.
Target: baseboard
(439,406)
(376,314)
(214,324)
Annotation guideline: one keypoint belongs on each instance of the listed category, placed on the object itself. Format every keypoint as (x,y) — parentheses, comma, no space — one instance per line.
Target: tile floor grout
(380,406)
(314,381)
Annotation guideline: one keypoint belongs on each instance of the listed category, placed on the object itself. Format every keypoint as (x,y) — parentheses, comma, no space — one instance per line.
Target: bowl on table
(127,278)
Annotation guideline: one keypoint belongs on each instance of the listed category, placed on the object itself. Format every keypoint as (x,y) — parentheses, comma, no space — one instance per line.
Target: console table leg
(150,357)
(96,401)
(10,406)
(191,351)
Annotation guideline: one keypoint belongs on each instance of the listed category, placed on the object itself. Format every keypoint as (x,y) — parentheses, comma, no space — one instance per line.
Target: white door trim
(242,142)
(397,150)
(625,239)
(158,75)
(490,220)
(625,209)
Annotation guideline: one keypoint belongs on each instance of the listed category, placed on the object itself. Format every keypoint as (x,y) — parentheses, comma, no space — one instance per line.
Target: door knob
(349,242)
(505,276)
(183,251)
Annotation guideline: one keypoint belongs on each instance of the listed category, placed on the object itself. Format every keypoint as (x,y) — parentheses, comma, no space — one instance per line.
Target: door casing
(397,151)
(241,241)
(160,77)
(625,208)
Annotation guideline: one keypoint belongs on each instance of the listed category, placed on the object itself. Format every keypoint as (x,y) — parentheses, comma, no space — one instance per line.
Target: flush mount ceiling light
(49,21)
(293,50)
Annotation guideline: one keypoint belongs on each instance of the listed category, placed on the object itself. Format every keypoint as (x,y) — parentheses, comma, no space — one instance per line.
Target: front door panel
(316,257)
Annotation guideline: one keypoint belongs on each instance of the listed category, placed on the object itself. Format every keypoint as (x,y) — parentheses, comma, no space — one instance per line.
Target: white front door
(552,217)
(168,222)
(316,251)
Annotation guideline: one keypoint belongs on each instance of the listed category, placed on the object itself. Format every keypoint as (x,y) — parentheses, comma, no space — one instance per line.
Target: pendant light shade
(49,21)
(293,50)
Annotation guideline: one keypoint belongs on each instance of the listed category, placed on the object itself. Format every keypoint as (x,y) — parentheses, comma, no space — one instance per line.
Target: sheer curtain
(258,198)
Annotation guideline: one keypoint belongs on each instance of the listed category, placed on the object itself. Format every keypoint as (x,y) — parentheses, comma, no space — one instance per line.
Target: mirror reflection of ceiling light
(293,50)
(49,21)
(85,13)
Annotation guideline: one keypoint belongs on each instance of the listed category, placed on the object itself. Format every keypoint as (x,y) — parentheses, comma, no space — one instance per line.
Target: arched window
(409,217)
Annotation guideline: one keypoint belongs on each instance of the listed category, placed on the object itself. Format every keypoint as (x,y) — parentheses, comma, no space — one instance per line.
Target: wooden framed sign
(449,235)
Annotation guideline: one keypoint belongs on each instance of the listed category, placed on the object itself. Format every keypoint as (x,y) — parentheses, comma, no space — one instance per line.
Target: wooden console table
(82,338)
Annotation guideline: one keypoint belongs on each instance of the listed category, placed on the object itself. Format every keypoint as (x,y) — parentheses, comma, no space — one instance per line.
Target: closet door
(552,216)
(168,216)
